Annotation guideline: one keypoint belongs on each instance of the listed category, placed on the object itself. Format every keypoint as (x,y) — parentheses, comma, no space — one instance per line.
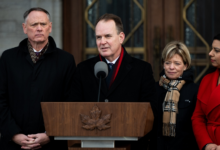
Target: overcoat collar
(23,47)
(124,69)
(209,91)
(52,45)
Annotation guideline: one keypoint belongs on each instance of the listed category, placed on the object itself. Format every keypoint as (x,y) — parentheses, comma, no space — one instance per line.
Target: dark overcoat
(23,85)
(184,138)
(133,83)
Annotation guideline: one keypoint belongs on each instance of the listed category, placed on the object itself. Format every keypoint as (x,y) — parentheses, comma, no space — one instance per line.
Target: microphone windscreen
(101,70)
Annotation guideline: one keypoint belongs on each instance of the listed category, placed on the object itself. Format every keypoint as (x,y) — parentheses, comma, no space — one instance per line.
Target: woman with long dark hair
(206,117)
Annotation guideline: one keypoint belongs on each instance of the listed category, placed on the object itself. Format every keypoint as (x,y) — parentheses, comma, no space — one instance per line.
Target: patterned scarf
(170,104)
(33,55)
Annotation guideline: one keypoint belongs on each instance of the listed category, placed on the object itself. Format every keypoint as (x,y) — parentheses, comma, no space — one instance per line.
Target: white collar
(113,62)
(37,51)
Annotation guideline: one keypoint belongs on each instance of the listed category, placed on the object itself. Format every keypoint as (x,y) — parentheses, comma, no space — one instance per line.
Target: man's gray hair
(35,9)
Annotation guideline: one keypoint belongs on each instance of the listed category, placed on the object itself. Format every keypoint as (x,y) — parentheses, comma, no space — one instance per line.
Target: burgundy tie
(37,53)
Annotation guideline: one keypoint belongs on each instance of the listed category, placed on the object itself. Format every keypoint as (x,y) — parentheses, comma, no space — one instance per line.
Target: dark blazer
(23,85)
(184,138)
(134,83)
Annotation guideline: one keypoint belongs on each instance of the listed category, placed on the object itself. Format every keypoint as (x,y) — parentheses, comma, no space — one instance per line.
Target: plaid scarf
(33,55)
(170,104)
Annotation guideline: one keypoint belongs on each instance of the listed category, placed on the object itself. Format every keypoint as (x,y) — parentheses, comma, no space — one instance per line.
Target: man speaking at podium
(129,79)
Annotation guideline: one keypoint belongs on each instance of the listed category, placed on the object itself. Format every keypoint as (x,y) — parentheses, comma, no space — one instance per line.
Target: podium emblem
(95,122)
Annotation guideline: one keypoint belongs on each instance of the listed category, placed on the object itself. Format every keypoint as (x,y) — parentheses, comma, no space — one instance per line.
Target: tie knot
(37,53)
(110,65)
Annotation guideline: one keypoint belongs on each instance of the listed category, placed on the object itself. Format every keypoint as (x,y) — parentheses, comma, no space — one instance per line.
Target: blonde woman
(176,99)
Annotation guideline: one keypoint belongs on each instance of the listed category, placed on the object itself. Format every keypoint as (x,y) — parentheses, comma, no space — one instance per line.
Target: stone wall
(11,19)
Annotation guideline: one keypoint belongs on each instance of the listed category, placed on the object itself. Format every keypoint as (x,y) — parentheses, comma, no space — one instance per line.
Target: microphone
(101,72)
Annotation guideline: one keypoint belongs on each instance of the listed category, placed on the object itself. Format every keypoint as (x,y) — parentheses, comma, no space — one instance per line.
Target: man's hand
(24,141)
(40,138)
(211,146)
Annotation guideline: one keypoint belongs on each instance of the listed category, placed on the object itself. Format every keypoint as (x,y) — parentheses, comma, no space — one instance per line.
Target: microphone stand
(100,80)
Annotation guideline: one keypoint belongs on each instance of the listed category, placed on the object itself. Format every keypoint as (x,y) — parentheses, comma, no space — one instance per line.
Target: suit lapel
(24,49)
(28,58)
(123,72)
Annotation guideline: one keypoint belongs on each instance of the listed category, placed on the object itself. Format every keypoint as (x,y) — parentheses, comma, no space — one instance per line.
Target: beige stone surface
(11,19)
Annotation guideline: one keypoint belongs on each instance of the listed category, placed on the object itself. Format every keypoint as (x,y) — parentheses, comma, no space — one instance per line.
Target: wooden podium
(105,122)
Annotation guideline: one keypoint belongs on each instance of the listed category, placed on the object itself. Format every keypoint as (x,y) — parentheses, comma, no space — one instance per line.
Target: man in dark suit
(129,79)
(33,72)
